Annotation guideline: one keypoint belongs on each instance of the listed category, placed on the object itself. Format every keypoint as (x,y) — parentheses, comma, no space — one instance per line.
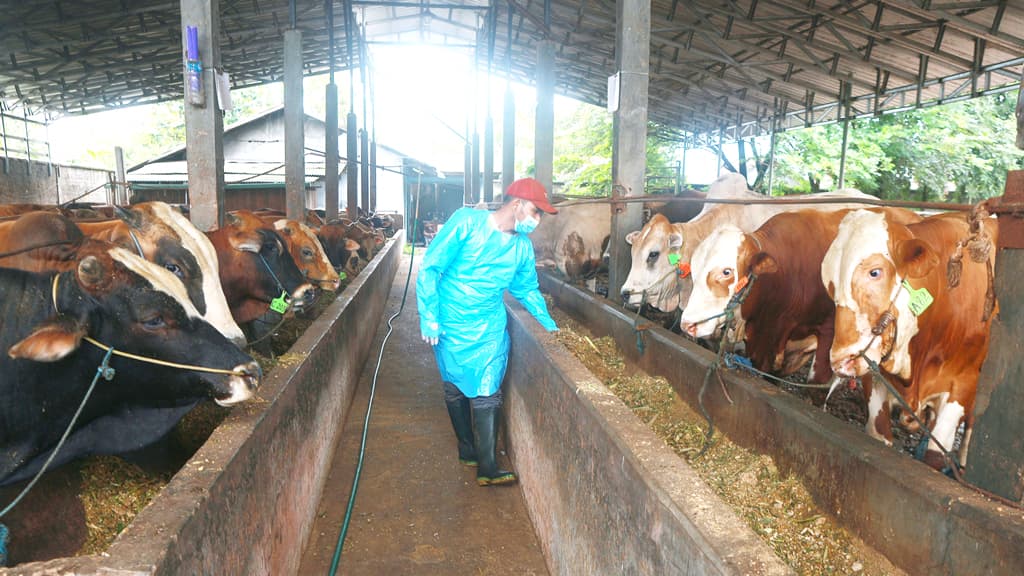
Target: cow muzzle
(303,296)
(848,364)
(242,384)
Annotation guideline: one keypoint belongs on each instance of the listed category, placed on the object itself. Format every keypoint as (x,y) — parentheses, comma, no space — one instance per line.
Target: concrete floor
(417,510)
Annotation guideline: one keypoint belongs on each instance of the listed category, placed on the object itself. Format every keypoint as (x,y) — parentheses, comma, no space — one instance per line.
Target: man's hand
(430,331)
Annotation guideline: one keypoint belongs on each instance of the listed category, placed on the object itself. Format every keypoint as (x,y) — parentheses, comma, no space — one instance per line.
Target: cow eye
(154,323)
(270,247)
(875,273)
(653,256)
(175,269)
(726,272)
(307,253)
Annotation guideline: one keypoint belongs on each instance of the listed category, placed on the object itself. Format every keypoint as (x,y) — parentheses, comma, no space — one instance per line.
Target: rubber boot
(459,412)
(485,427)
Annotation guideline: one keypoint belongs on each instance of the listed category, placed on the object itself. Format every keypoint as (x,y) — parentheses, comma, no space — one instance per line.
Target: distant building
(254,171)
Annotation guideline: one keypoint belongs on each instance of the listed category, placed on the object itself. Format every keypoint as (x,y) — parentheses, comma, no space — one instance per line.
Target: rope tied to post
(979,247)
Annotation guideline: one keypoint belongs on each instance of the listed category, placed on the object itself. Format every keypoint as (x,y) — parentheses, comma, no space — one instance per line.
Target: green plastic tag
(673,259)
(279,304)
(920,299)
(342,275)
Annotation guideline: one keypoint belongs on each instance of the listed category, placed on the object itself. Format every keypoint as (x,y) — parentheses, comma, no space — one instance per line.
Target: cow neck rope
(136,241)
(107,373)
(146,359)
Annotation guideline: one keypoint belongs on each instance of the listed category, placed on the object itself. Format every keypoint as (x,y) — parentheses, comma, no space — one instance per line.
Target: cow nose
(303,295)
(690,328)
(252,373)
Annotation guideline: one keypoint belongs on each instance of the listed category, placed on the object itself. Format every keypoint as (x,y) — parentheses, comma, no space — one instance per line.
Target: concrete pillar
(544,142)
(204,124)
(488,159)
(331,153)
(474,166)
(294,129)
(120,190)
(842,155)
(629,130)
(364,168)
(508,141)
(351,168)
(373,175)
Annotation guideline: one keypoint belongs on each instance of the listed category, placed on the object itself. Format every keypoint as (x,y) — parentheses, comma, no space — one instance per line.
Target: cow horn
(90,271)
(130,217)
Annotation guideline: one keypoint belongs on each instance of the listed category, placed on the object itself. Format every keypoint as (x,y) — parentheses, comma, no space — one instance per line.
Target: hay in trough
(777,508)
(113,493)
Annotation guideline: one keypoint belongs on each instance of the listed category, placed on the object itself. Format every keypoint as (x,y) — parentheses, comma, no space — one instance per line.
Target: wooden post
(996,450)
(204,124)
(331,154)
(544,142)
(629,130)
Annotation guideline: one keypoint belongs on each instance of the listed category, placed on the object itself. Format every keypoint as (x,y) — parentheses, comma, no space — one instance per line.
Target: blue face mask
(526,225)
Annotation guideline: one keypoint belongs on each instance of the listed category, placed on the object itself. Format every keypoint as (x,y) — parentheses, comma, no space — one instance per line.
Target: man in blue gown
(470,263)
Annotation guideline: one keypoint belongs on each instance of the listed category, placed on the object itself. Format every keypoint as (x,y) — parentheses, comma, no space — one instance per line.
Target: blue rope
(107,373)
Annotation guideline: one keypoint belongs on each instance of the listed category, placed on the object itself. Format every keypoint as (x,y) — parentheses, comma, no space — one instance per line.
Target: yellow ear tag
(279,304)
(920,299)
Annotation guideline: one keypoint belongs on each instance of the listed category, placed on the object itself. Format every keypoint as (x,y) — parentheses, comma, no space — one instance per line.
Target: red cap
(532,190)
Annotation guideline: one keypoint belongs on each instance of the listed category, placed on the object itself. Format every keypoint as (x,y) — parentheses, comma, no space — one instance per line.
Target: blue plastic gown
(459,290)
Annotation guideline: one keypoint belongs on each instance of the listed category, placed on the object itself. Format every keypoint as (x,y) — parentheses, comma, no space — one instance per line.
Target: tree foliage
(956,152)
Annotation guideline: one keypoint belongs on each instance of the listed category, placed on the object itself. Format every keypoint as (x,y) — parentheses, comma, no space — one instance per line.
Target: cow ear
(231,220)
(675,240)
(351,245)
(246,242)
(130,217)
(632,236)
(915,257)
(50,342)
(90,271)
(763,263)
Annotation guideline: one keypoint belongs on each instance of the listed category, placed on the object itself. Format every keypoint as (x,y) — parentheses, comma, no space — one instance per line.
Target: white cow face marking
(715,280)
(861,275)
(651,271)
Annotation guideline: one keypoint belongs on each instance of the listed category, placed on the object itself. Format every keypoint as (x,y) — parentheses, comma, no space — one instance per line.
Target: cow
(891,279)
(786,316)
(661,251)
(255,267)
(342,251)
(574,240)
(307,252)
(56,328)
(165,236)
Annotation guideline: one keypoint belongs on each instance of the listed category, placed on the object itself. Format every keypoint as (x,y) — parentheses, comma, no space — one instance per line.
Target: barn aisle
(417,511)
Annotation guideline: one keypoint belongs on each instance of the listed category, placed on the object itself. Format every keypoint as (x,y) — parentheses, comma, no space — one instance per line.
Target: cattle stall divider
(924,522)
(246,501)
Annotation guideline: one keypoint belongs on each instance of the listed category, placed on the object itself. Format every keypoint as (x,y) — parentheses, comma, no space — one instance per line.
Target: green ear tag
(342,275)
(279,304)
(920,299)
(673,259)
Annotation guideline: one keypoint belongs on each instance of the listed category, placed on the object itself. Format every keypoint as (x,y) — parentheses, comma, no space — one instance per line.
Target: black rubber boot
(459,412)
(485,427)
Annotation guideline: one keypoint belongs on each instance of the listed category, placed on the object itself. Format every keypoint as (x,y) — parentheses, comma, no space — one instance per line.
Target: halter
(111,350)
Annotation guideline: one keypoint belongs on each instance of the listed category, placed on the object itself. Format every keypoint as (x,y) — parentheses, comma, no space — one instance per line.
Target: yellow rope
(147,359)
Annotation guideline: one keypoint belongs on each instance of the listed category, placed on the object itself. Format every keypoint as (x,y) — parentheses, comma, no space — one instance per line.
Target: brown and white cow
(574,240)
(307,252)
(165,236)
(786,316)
(664,285)
(877,267)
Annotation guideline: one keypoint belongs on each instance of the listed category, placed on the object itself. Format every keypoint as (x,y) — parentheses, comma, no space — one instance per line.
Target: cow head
(863,272)
(308,254)
(342,251)
(136,306)
(169,239)
(651,271)
(721,267)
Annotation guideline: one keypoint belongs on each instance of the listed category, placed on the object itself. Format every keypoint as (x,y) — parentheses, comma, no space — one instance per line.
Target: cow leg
(950,414)
(878,425)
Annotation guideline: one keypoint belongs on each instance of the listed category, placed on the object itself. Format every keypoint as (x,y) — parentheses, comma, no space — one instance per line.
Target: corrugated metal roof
(739,65)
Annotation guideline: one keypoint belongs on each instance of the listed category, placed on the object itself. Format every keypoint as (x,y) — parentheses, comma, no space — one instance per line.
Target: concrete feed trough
(244,504)
(922,521)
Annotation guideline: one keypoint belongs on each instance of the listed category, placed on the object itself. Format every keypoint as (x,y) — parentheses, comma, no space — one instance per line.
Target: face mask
(526,225)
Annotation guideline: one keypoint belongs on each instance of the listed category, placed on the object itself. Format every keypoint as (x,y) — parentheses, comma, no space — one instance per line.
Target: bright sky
(424,98)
